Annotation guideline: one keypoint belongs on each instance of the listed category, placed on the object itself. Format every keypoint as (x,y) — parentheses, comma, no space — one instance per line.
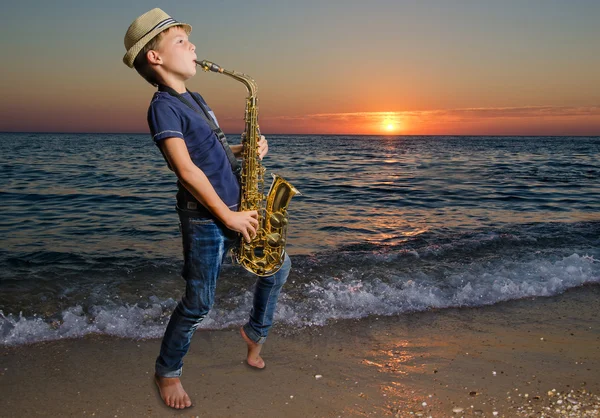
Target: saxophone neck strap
(235,164)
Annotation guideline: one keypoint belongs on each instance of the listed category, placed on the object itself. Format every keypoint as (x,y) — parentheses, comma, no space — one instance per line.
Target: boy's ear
(153,57)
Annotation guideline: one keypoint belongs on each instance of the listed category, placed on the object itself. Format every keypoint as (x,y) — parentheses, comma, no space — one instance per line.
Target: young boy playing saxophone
(207,199)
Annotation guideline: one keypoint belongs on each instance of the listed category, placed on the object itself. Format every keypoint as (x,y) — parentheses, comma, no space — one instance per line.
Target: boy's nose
(193,46)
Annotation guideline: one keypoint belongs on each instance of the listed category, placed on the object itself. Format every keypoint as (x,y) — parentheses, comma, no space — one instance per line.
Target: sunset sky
(528,67)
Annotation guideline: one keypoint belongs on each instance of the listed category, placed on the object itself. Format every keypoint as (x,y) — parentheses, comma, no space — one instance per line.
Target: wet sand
(492,361)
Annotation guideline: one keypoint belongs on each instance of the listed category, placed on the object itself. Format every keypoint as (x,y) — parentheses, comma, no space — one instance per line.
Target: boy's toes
(172,392)
(259,363)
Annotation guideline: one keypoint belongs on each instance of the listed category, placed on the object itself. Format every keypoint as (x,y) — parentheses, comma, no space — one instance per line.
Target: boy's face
(177,53)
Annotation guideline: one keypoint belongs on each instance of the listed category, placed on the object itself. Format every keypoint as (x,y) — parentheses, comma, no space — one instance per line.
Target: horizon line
(305,134)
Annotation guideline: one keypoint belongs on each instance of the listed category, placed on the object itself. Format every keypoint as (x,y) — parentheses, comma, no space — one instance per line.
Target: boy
(207,199)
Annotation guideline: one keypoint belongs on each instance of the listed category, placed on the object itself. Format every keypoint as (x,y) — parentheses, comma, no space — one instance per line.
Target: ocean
(385,225)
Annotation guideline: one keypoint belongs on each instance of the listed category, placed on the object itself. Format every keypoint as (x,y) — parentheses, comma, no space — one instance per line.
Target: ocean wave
(351,294)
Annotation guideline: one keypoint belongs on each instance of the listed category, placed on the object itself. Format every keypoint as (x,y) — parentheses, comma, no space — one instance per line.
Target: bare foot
(254,359)
(172,392)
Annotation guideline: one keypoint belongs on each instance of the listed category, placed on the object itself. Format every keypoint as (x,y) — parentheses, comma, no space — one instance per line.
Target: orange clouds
(67,116)
(526,120)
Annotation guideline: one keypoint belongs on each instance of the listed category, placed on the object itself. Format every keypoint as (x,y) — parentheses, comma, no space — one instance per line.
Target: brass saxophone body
(264,255)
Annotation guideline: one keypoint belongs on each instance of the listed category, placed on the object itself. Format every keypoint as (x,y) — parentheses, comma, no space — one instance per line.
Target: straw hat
(146,27)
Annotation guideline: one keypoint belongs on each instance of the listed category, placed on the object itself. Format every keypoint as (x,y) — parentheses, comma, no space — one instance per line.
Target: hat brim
(139,45)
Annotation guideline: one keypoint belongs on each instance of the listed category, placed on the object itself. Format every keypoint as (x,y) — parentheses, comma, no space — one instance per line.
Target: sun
(389,126)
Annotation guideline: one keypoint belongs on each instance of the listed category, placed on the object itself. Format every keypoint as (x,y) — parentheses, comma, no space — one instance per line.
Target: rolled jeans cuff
(253,335)
(175,373)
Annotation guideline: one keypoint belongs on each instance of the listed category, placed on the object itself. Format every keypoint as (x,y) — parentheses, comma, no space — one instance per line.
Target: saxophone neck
(242,78)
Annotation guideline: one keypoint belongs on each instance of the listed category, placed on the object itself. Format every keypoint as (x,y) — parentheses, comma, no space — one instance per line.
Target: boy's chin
(191,73)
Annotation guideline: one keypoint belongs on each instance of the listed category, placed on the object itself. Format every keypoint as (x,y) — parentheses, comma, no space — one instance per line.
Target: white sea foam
(343,297)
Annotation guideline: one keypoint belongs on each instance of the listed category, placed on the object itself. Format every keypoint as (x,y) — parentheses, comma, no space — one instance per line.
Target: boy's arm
(196,182)
(237,150)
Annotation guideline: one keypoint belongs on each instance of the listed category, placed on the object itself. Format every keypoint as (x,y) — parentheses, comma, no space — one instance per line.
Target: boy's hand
(245,223)
(263,147)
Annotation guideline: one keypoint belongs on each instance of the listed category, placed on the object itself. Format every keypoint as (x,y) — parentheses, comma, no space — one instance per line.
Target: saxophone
(264,255)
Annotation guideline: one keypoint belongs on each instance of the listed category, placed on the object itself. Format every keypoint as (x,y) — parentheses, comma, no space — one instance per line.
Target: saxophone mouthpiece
(209,66)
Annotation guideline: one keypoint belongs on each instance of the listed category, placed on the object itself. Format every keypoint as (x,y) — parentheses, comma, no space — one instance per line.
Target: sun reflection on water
(401,360)
(397,359)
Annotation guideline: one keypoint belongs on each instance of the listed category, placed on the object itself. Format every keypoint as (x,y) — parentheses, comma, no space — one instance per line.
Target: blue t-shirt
(168,117)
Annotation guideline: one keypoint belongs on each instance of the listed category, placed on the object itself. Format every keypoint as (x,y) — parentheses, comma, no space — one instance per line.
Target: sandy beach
(531,357)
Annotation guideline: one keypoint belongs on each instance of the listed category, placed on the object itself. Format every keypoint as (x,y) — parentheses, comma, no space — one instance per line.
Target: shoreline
(439,363)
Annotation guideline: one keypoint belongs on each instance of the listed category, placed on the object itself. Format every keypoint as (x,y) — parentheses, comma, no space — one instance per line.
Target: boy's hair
(141,64)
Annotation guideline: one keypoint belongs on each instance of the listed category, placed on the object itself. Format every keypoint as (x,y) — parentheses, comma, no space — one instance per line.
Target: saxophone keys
(273,258)
(274,239)
(277,219)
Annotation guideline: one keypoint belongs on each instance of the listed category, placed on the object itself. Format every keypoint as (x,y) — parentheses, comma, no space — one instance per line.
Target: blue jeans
(205,246)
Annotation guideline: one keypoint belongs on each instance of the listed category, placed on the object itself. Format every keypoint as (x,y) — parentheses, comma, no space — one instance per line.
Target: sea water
(385,225)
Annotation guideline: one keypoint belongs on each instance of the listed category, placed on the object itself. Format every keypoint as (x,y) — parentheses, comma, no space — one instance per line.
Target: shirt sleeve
(163,121)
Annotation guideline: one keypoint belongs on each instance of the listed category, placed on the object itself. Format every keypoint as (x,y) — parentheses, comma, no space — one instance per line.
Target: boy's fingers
(249,231)
(246,236)
(252,231)
(249,234)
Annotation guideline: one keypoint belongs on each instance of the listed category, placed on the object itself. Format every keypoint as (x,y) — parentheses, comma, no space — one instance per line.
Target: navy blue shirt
(168,117)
